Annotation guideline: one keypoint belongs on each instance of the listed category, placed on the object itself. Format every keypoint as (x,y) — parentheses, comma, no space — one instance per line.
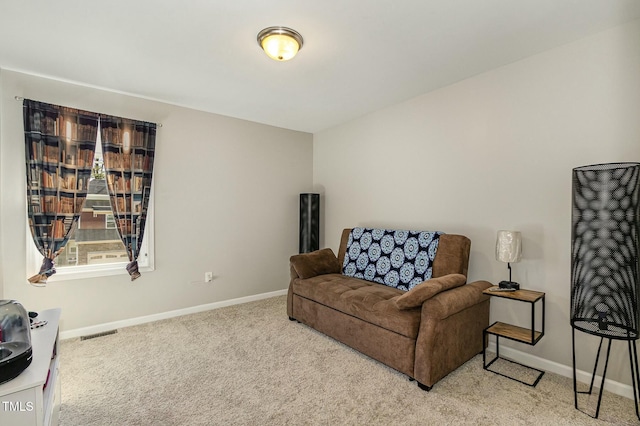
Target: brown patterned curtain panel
(128,147)
(60,146)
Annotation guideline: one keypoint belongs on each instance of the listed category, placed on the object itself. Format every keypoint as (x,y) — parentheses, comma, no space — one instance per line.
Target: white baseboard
(562,370)
(101,328)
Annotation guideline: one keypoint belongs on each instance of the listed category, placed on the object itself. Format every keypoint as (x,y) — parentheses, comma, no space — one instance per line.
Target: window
(94,247)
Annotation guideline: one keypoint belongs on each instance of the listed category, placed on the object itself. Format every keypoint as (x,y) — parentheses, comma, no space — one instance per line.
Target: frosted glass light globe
(280,43)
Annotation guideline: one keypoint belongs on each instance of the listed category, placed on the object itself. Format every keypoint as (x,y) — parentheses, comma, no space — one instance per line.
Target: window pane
(95,240)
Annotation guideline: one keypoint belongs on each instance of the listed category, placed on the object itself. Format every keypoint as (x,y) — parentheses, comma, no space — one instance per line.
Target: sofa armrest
(455,300)
(450,331)
(319,262)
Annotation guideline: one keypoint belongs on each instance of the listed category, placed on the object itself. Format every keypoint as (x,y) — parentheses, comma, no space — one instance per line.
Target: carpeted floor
(249,365)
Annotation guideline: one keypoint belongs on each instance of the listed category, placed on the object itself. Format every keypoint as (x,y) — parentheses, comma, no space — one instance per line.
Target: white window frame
(146,259)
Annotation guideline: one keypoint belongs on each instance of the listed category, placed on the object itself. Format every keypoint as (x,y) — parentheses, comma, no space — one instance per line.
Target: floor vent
(93,336)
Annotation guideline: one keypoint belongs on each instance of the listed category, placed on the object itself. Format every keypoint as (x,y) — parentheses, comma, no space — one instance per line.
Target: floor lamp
(604,263)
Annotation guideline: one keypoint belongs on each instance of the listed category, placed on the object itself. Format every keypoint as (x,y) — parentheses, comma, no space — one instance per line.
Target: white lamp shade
(509,246)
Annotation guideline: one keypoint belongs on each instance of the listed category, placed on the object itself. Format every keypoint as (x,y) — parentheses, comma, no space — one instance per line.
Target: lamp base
(509,284)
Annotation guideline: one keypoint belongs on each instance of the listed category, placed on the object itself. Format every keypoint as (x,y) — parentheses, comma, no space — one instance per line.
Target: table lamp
(509,249)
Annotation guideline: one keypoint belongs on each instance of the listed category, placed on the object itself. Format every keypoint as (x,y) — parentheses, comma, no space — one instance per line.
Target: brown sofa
(425,333)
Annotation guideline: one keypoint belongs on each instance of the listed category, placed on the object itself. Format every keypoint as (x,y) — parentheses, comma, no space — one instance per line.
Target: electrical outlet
(208,277)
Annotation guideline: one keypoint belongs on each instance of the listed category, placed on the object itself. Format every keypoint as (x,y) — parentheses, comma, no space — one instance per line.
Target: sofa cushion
(371,302)
(319,262)
(417,295)
(399,259)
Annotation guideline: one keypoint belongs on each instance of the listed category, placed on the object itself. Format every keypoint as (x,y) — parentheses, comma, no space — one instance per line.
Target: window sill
(93,271)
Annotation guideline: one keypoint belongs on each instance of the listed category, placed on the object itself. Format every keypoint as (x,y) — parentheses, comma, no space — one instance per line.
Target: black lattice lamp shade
(604,252)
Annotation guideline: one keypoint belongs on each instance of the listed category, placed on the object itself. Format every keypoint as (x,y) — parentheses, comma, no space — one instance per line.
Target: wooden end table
(523,335)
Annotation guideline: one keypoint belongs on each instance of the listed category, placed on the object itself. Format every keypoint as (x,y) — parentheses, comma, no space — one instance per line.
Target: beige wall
(226,201)
(495,152)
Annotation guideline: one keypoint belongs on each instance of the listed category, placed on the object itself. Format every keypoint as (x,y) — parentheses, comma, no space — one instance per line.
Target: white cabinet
(33,398)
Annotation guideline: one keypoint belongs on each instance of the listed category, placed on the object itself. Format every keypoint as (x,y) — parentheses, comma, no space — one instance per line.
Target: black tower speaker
(604,262)
(309,222)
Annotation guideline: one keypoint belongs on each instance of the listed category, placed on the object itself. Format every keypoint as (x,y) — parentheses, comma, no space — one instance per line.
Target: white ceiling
(358,55)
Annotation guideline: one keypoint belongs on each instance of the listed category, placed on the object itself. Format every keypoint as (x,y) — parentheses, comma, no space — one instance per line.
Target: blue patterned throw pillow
(400,259)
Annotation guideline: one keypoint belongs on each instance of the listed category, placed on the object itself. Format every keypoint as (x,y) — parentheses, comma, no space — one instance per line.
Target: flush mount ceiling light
(280,43)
